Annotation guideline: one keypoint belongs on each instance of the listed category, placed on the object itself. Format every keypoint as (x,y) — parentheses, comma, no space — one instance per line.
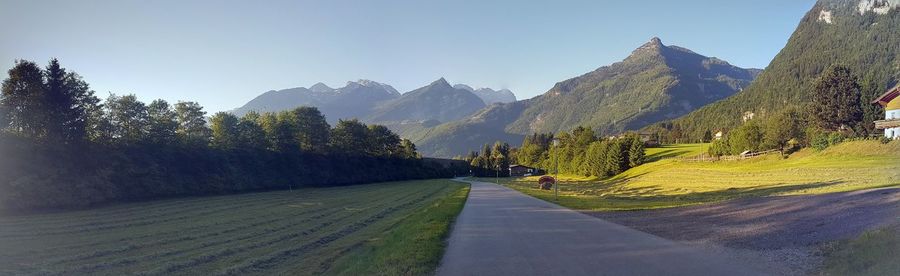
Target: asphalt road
(503,232)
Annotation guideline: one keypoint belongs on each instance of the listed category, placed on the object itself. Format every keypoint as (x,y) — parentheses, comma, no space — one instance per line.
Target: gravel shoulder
(785,233)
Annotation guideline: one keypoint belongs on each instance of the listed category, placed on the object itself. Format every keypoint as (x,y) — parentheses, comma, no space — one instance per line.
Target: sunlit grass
(676,150)
(413,247)
(669,183)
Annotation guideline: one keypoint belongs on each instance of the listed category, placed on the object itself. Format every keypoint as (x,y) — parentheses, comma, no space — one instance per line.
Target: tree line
(834,114)
(64,147)
(491,160)
(582,152)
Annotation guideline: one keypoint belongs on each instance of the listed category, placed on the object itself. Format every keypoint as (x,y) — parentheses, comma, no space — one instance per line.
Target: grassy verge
(873,253)
(413,247)
(670,183)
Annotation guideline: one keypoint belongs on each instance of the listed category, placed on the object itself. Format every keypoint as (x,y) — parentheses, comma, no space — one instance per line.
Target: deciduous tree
(192,127)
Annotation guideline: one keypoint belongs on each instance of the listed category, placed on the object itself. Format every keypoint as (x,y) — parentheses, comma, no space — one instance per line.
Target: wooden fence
(707,158)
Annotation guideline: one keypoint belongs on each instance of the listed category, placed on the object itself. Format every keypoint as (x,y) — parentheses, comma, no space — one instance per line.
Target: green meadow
(671,182)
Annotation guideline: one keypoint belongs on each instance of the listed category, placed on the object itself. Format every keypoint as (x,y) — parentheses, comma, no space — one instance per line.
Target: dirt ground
(784,233)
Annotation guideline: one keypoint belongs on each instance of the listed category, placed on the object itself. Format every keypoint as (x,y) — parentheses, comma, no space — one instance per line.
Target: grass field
(873,253)
(669,183)
(677,150)
(307,231)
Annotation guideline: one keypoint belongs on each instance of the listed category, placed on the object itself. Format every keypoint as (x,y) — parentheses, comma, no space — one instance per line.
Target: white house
(891,103)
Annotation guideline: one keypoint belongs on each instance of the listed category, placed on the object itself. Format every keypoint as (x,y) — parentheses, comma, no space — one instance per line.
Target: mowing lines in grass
(300,232)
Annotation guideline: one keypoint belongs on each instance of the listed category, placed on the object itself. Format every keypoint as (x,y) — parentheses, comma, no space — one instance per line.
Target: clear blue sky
(224,53)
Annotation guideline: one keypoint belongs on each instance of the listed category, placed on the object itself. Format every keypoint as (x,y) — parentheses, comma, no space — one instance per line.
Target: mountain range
(656,82)
(656,86)
(380,103)
(356,99)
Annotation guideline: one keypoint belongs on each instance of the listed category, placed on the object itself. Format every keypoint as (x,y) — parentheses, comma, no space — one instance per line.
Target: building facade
(891,103)
(519,170)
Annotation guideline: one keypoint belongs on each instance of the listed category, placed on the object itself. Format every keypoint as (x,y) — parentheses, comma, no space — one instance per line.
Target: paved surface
(784,233)
(503,232)
(770,222)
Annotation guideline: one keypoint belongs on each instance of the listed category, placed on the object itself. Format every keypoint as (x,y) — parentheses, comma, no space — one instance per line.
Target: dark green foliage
(311,130)
(251,134)
(719,148)
(747,137)
(635,152)
(867,44)
(128,118)
(491,160)
(782,131)
(134,151)
(23,98)
(836,103)
(192,127)
(350,137)
(408,150)
(162,124)
(580,152)
(821,140)
(534,149)
(225,131)
(380,141)
(783,128)
(97,174)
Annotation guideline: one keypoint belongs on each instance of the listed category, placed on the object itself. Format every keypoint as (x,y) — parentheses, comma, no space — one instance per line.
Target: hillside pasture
(670,182)
(299,232)
(675,151)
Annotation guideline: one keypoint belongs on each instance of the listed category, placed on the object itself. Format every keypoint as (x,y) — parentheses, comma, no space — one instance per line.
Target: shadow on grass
(722,195)
(665,154)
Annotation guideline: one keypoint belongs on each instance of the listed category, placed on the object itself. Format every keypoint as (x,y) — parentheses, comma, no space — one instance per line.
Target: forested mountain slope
(861,35)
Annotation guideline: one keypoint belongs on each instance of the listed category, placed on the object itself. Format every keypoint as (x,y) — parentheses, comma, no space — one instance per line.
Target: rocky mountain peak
(320,88)
(440,83)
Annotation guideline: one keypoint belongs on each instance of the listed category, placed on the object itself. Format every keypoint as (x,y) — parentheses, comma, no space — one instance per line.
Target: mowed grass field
(670,182)
(676,150)
(303,232)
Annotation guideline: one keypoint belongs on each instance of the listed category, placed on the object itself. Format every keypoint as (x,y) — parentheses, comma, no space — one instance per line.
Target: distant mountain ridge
(375,102)
(656,82)
(356,99)
(436,101)
(488,95)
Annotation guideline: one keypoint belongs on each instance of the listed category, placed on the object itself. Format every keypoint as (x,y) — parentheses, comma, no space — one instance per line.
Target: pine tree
(635,152)
(836,101)
(614,158)
(58,102)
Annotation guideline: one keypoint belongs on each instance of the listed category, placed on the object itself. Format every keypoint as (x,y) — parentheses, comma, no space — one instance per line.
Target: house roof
(514,166)
(888,96)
